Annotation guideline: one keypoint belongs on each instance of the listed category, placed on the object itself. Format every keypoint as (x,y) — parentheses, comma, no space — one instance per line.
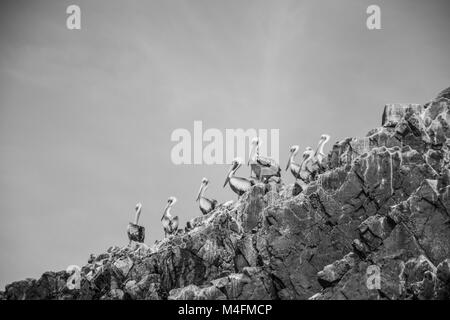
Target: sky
(86,116)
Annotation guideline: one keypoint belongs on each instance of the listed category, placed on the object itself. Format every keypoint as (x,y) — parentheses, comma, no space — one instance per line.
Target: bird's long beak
(289,161)
(200,191)
(165,210)
(321,141)
(226,181)
(301,164)
(305,157)
(228,176)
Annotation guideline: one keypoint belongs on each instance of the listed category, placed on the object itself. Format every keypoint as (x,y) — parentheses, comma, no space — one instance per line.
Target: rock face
(374,225)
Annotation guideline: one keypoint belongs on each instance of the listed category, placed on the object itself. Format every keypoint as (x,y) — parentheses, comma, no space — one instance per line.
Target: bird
(169,222)
(262,167)
(305,168)
(319,155)
(294,166)
(237,184)
(206,205)
(136,232)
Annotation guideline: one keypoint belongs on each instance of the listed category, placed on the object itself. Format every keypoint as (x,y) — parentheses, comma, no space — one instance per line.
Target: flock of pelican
(264,170)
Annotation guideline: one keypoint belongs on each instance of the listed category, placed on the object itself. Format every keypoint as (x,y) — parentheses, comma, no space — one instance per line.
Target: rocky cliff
(374,225)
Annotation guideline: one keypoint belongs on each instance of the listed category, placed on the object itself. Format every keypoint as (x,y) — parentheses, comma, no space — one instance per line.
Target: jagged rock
(419,277)
(393,113)
(443,280)
(375,224)
(193,292)
(147,288)
(114,294)
(252,284)
(444,94)
(18,290)
(124,265)
(425,221)
(335,271)
(375,229)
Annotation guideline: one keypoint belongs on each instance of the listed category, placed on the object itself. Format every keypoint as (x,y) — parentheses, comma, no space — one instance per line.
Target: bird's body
(295,170)
(262,167)
(136,232)
(206,205)
(239,185)
(306,166)
(169,222)
(293,166)
(170,225)
(302,170)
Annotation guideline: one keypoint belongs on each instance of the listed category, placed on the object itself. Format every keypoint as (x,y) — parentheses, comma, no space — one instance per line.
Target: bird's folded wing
(266,162)
(174,222)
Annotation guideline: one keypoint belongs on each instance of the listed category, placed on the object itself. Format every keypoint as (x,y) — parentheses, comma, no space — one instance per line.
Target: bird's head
(308,152)
(324,137)
(138,206)
(235,164)
(255,141)
(292,151)
(203,187)
(171,201)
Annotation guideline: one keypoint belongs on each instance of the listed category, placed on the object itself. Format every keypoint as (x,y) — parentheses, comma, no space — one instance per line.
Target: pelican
(295,167)
(237,184)
(170,223)
(319,155)
(136,232)
(262,167)
(305,168)
(206,205)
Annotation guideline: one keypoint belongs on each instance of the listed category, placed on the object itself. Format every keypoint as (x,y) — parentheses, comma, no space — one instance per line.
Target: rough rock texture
(381,208)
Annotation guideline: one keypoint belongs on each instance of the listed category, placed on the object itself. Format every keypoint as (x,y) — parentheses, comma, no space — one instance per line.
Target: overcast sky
(86,116)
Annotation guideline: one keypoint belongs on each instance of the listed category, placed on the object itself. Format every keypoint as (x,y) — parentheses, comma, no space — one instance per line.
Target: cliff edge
(374,225)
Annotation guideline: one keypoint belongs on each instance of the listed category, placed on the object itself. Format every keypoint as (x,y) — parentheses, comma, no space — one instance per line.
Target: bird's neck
(293,157)
(320,147)
(303,164)
(167,212)
(254,154)
(136,216)
(202,193)
(231,174)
